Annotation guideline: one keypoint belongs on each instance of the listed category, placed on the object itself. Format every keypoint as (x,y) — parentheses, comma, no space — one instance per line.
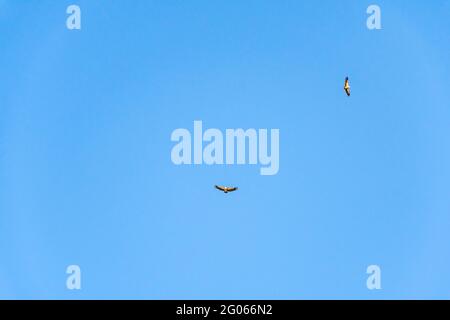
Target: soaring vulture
(226,189)
(347,87)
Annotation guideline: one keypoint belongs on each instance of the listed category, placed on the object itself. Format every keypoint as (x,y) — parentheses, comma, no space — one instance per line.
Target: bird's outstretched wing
(232,189)
(220,188)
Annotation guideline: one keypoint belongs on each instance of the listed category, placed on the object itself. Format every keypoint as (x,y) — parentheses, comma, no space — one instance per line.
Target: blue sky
(86,176)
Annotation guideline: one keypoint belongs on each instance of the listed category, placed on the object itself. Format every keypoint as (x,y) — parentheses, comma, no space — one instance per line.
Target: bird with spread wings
(347,87)
(225,189)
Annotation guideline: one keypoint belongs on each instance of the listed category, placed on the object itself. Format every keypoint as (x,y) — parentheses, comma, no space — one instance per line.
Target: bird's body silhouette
(347,87)
(226,189)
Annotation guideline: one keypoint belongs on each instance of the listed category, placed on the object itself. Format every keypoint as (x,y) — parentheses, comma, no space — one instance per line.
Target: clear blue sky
(86,176)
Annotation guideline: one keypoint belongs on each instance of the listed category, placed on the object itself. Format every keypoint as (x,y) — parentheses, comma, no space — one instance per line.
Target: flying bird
(226,189)
(347,87)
